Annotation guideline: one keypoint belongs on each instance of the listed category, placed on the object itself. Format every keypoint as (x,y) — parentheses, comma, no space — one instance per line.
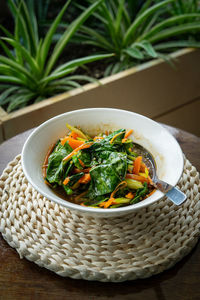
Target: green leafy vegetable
(56,167)
(140,194)
(98,174)
(105,177)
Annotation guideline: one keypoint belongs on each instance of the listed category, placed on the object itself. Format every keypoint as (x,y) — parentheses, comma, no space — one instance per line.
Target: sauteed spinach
(105,171)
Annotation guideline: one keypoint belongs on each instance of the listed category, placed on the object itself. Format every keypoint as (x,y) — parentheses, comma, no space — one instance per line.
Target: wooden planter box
(154,89)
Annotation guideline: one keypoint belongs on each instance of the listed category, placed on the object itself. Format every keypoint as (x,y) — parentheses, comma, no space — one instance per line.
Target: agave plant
(180,7)
(149,32)
(29,70)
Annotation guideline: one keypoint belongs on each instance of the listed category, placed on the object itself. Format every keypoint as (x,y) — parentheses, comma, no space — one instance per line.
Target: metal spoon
(172,193)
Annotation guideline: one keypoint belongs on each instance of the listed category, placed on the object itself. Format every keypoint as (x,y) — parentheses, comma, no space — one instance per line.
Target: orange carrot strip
(124,140)
(150,180)
(152,192)
(73,135)
(106,204)
(120,185)
(85,178)
(47,183)
(81,163)
(63,140)
(137,177)
(84,146)
(109,202)
(142,167)
(76,170)
(128,133)
(66,181)
(137,164)
(98,138)
(129,195)
(72,142)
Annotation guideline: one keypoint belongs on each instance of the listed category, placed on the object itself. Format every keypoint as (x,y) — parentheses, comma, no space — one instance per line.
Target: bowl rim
(85,209)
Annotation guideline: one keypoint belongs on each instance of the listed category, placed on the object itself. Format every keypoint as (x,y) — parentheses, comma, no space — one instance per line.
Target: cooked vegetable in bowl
(104,171)
(106,166)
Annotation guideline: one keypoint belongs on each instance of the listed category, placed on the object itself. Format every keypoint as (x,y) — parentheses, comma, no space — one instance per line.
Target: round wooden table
(21,279)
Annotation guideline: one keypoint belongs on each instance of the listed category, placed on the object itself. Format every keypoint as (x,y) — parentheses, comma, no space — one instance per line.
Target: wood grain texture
(185,117)
(21,279)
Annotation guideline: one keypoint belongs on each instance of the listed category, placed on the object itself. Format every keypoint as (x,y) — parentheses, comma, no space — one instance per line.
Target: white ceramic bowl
(148,133)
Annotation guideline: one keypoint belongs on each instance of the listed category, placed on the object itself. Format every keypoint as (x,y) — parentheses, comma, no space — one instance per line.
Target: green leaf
(16,66)
(140,194)
(99,16)
(174,31)
(141,18)
(168,22)
(6,50)
(134,52)
(81,61)
(33,19)
(57,75)
(56,166)
(32,35)
(108,69)
(26,55)
(177,44)
(148,48)
(6,32)
(19,58)
(19,102)
(168,59)
(119,16)
(83,77)
(67,35)
(73,84)
(11,79)
(101,40)
(21,24)
(48,38)
(7,93)
(38,55)
(116,68)
(144,7)
(74,179)
(105,177)
(110,25)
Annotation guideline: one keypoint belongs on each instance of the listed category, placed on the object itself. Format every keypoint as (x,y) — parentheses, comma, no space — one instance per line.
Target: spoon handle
(162,185)
(176,196)
(172,193)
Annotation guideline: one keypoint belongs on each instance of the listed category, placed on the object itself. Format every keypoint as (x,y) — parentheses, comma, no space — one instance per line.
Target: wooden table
(21,279)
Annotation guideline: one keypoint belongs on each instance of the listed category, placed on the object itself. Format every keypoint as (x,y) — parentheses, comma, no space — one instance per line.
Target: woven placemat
(138,245)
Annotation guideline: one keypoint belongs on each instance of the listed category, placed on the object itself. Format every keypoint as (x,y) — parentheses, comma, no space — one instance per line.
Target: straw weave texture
(138,245)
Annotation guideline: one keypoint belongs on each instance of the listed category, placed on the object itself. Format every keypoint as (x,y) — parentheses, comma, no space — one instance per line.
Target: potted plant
(152,88)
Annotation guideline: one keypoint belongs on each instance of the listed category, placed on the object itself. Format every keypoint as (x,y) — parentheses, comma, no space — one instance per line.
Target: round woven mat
(135,246)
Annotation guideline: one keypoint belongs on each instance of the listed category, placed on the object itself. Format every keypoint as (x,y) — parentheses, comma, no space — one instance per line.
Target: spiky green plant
(29,70)
(134,38)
